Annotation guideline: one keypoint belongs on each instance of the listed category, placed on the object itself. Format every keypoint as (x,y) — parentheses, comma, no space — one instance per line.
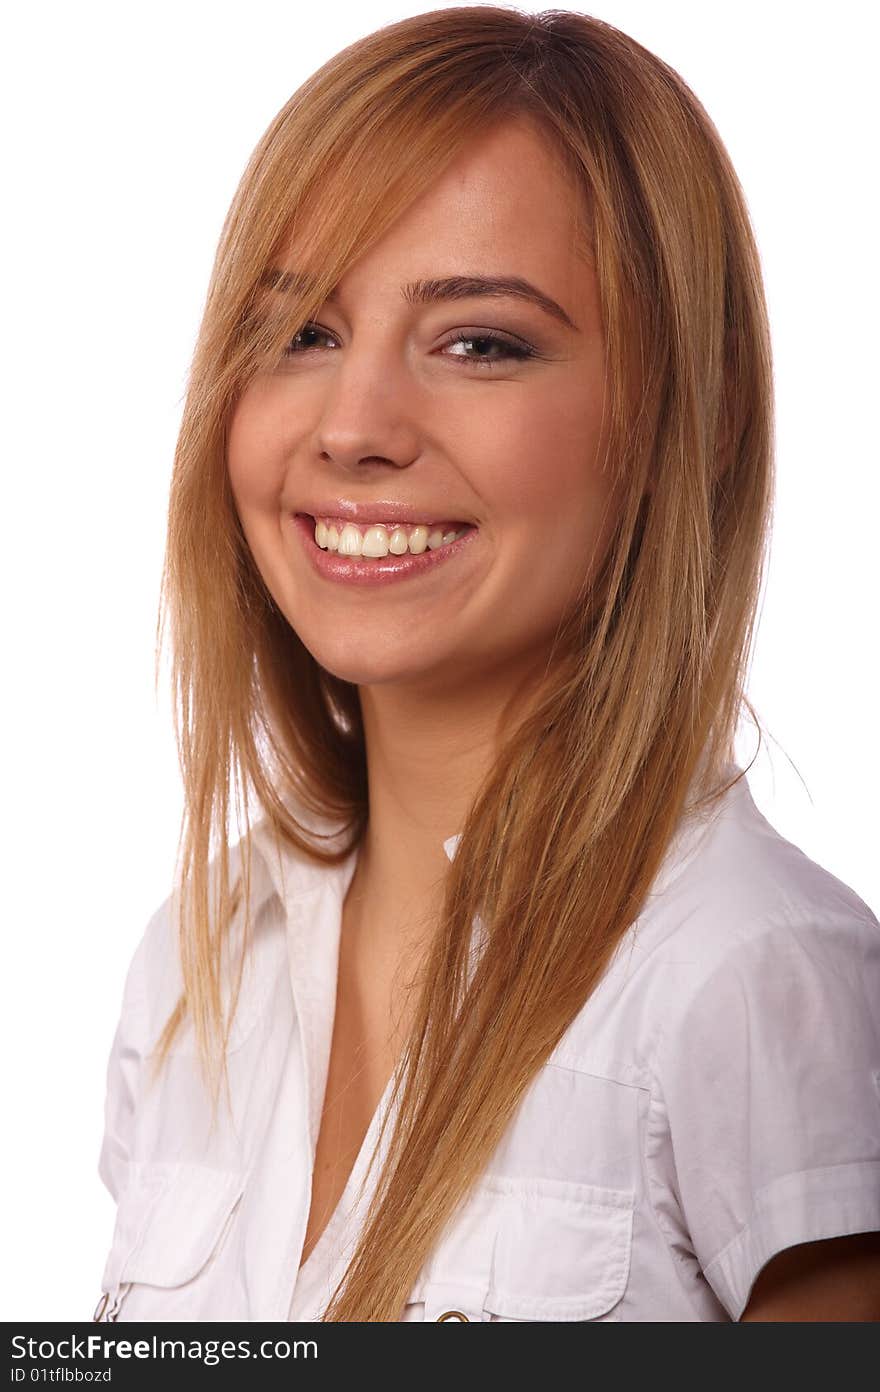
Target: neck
(427,755)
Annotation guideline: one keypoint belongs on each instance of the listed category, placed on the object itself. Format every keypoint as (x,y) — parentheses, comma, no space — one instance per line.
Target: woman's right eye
(307,329)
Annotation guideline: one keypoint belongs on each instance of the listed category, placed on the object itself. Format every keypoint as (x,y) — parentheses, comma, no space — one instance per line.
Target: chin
(367,669)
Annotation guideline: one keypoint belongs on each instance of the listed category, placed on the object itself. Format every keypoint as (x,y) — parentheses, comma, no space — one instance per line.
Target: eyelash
(519,351)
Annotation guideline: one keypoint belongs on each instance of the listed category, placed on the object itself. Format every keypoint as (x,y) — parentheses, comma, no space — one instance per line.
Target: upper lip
(386,511)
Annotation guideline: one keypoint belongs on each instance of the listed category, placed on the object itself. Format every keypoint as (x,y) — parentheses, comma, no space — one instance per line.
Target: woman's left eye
(510,348)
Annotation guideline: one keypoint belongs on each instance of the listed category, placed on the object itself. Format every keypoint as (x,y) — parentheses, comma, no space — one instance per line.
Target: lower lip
(383,570)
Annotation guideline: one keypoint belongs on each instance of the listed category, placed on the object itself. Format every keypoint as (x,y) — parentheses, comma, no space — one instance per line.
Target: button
(452,1315)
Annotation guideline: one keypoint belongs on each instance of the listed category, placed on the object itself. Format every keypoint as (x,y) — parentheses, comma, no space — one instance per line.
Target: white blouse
(716,1100)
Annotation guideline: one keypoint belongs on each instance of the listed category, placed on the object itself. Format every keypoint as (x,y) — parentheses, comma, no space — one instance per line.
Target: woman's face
(385,402)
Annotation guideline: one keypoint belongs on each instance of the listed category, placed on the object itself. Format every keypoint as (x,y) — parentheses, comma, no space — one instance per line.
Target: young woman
(510,1005)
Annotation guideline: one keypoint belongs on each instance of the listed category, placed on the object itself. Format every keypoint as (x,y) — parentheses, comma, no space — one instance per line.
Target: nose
(369,413)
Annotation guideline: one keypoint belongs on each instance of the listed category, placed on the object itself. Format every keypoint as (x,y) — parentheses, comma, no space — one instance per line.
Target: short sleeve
(124,1069)
(768,1089)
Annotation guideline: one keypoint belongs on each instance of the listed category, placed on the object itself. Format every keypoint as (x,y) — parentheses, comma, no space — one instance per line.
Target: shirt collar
(291,874)
(690,832)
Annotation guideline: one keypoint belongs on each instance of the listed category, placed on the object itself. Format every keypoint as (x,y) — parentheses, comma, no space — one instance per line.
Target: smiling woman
(524,1011)
(390,406)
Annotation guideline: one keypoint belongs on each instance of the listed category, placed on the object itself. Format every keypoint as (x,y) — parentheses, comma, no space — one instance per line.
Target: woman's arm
(836,1279)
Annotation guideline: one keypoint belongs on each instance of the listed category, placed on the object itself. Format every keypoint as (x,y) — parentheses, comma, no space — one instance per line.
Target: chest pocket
(529,1248)
(171,1222)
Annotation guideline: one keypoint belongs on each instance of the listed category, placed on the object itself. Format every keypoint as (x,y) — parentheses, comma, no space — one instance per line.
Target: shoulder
(732,878)
(736,911)
(154,979)
(735,891)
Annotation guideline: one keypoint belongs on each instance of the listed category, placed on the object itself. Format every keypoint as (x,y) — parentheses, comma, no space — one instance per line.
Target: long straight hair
(647,682)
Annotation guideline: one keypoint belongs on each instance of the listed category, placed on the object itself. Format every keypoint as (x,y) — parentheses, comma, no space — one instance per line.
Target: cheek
(551,504)
(256,452)
(543,466)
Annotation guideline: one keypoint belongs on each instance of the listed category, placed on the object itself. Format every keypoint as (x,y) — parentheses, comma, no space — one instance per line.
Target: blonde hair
(647,682)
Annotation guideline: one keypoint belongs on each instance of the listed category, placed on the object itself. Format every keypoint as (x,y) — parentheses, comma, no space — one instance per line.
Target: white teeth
(398,542)
(350,541)
(378,540)
(375,542)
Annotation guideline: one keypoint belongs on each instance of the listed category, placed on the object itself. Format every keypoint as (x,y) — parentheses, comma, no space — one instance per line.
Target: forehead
(504,205)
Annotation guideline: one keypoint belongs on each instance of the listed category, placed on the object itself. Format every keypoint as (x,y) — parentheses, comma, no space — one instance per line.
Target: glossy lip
(383,510)
(381,571)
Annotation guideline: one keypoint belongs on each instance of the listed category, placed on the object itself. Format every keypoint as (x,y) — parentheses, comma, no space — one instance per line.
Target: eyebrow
(423,292)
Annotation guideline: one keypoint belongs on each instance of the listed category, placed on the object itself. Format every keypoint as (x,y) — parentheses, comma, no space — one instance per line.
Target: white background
(127,128)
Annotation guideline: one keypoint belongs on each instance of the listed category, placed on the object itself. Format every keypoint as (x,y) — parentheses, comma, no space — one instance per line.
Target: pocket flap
(169,1220)
(562,1250)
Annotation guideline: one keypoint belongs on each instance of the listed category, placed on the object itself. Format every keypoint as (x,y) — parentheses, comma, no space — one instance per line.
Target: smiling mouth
(361,540)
